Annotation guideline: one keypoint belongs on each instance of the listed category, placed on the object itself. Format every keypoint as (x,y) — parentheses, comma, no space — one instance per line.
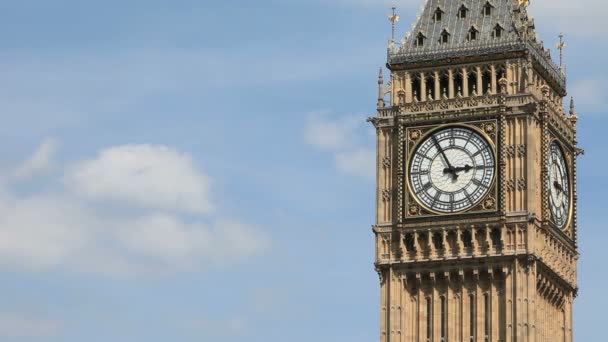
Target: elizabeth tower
(476,227)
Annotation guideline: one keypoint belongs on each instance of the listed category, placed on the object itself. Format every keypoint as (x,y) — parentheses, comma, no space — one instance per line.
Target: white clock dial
(559,186)
(452,170)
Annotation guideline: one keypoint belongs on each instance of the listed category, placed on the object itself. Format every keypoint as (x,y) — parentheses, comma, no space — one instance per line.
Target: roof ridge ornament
(394,19)
(561,45)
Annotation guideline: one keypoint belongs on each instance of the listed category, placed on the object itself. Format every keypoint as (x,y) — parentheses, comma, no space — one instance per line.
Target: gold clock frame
(414,135)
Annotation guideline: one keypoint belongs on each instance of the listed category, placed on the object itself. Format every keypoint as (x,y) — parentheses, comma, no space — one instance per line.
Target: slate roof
(517,34)
(458,28)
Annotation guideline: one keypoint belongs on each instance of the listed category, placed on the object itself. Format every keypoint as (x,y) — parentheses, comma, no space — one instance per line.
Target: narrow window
(445,37)
(443,320)
(409,243)
(438,14)
(487,9)
(497,32)
(472,81)
(462,12)
(438,241)
(429,320)
(416,86)
(496,238)
(473,34)
(486,81)
(444,84)
(472,317)
(420,39)
(486,304)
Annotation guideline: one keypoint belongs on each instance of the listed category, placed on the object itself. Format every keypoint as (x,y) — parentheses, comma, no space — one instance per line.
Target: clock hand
(465,168)
(450,168)
(558,186)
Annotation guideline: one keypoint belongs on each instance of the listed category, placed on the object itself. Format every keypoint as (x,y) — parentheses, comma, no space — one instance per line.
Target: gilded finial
(561,45)
(394,19)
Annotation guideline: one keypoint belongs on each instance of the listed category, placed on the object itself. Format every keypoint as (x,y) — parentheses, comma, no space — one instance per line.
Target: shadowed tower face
(476,227)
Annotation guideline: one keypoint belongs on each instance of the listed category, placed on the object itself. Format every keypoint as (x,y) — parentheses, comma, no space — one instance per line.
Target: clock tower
(476,226)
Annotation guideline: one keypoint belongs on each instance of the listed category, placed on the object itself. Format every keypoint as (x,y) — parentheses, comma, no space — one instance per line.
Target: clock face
(559,186)
(452,170)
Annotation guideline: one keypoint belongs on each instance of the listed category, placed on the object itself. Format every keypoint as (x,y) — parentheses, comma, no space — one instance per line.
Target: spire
(380,89)
(394,19)
(561,46)
(573,117)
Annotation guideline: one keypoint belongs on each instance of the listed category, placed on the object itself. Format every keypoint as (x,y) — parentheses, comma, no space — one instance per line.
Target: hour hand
(465,168)
(558,186)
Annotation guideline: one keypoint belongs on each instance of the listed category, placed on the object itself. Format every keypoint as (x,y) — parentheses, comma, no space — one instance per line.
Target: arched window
(430,89)
(473,34)
(420,39)
(458,83)
(444,84)
(486,81)
(445,37)
(416,87)
(472,80)
(462,11)
(438,14)
(497,32)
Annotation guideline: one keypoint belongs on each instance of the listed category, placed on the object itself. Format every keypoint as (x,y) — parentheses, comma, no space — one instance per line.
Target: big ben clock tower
(476,227)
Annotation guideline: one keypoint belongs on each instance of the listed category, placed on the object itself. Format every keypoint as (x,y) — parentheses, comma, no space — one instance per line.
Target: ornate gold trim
(488,130)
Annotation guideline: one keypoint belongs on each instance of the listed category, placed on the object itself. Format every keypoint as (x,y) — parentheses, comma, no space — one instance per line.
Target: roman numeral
(479,183)
(480,151)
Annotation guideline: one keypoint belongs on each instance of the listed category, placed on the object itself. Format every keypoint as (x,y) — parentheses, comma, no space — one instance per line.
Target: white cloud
(360,162)
(342,136)
(40,161)
(16,325)
(41,231)
(150,176)
(325,132)
(177,243)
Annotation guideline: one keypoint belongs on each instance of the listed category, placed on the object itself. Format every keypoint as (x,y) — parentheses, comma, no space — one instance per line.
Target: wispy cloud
(40,161)
(342,137)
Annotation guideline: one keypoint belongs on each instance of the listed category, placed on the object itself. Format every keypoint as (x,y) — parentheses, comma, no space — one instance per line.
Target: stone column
(465,82)
(408,88)
(437,85)
(480,90)
(423,87)
(451,92)
(509,77)
(494,82)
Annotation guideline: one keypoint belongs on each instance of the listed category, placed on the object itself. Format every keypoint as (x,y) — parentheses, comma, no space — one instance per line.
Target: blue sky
(202,170)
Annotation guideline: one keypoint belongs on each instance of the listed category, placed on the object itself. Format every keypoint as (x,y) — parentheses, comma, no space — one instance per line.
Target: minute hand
(442,153)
